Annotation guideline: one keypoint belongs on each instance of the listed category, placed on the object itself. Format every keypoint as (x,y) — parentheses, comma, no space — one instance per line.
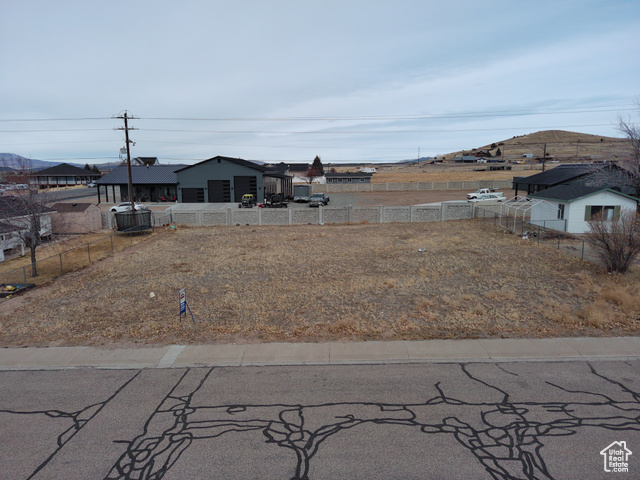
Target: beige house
(76,218)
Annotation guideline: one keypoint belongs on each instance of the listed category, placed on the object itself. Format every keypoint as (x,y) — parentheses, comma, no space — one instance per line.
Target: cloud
(286,59)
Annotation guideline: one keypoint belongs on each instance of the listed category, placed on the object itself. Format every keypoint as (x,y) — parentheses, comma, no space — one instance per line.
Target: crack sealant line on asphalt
(170,356)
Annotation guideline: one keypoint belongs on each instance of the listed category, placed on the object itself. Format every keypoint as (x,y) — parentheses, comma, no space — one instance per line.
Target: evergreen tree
(317,165)
(87,167)
(96,170)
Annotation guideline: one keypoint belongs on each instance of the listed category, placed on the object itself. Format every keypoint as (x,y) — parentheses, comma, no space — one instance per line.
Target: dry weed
(501,295)
(619,295)
(320,283)
(597,315)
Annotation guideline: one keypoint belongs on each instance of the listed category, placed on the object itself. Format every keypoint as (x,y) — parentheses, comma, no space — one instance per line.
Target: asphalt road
(536,420)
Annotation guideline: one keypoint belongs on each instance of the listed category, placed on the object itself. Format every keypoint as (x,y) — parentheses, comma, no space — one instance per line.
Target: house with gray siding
(348,177)
(225,180)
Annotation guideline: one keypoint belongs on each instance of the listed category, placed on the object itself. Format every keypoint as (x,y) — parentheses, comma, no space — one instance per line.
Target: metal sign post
(184,306)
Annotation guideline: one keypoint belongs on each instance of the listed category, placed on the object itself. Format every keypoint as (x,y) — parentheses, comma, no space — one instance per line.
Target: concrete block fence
(202,217)
(471,185)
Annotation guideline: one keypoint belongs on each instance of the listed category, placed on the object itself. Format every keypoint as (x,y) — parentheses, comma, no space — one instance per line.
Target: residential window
(561,211)
(604,212)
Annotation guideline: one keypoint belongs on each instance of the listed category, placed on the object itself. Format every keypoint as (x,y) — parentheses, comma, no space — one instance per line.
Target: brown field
(319,283)
(426,173)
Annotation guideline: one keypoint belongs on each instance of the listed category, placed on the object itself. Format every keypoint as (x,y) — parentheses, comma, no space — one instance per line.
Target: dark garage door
(193,195)
(244,184)
(219,191)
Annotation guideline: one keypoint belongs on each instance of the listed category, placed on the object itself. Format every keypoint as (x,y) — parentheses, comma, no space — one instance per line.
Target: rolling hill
(560,144)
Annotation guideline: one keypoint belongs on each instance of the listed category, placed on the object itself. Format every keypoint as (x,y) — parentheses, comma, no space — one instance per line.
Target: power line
(59,142)
(314,132)
(53,119)
(57,130)
(426,116)
(472,114)
(355,132)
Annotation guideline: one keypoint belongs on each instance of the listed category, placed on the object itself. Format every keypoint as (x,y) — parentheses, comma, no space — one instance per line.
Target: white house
(571,207)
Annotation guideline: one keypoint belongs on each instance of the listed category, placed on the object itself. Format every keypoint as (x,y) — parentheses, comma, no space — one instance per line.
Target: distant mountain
(11,160)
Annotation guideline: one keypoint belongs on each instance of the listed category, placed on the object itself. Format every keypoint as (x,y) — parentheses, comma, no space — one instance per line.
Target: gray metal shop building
(225,179)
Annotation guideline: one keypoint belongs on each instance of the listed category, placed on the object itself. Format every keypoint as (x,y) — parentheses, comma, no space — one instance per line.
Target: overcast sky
(348,80)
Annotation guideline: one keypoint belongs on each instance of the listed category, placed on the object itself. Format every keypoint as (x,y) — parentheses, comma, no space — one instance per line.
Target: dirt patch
(393,199)
(318,283)
(446,173)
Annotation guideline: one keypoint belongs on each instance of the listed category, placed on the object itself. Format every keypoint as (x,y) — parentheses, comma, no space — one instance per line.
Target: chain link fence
(72,259)
(544,232)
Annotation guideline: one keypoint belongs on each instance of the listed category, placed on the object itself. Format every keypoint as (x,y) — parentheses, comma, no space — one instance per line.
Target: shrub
(617,243)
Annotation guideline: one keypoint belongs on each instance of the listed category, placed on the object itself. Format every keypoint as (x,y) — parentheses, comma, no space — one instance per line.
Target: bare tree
(626,173)
(617,241)
(631,162)
(24,214)
(311,174)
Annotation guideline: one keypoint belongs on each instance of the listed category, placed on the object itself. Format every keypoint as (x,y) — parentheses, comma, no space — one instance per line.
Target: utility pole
(544,157)
(126,136)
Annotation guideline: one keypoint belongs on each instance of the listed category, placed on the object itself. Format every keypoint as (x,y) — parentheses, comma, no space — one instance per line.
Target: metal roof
(66,170)
(142,175)
(348,174)
(574,191)
(13,207)
(237,161)
(559,174)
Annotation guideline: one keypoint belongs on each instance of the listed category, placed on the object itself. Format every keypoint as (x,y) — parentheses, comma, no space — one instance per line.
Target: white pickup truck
(487,197)
(483,191)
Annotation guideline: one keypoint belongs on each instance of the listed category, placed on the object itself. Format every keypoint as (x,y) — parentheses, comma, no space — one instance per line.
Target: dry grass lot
(76,251)
(318,283)
(427,173)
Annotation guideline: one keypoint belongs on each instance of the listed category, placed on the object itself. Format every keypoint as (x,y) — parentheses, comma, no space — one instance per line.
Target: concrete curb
(333,353)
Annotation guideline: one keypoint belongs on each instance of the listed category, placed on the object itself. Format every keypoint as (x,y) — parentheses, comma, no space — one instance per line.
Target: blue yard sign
(184,306)
(183,302)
